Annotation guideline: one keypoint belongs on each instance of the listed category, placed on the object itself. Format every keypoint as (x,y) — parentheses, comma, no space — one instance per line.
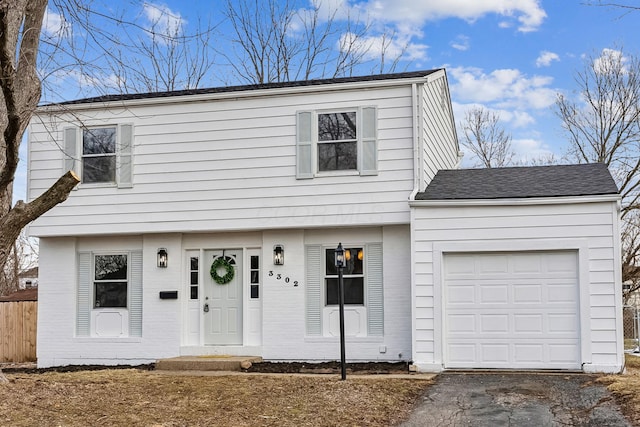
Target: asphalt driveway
(516,399)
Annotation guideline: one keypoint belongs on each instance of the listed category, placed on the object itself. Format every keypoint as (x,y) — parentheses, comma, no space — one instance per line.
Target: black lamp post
(340,263)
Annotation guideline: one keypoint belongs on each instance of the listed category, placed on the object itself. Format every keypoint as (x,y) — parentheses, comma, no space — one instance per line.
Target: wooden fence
(18,326)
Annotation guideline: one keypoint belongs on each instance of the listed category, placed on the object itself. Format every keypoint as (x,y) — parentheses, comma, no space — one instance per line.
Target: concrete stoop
(207,363)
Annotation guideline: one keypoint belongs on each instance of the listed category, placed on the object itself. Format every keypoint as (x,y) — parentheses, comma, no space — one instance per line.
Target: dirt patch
(330,368)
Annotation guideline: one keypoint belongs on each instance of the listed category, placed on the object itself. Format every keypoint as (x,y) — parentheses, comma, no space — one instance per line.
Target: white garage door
(516,310)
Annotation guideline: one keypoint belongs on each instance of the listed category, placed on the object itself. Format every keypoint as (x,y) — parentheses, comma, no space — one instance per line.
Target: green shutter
(375,294)
(304,146)
(70,149)
(83,299)
(369,162)
(125,167)
(135,295)
(314,276)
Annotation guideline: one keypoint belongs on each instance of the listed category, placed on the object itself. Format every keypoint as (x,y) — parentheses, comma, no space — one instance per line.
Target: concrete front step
(207,363)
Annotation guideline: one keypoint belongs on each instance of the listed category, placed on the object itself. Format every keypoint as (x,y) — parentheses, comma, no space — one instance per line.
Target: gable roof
(224,89)
(520,182)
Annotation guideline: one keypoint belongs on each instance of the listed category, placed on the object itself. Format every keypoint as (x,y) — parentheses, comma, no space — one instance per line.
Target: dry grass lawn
(138,398)
(626,388)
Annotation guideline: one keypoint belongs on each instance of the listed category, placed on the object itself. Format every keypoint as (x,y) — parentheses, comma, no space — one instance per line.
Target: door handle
(206,308)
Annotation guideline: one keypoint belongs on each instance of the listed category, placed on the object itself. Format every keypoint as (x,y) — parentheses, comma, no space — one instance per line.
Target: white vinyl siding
(438,134)
(235,161)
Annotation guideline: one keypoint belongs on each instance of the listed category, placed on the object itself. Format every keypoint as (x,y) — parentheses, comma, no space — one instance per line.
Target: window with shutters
(343,141)
(363,290)
(100,155)
(109,294)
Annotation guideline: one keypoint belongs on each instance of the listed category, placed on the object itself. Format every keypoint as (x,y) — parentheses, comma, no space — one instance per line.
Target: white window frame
(317,142)
(92,156)
(326,276)
(119,312)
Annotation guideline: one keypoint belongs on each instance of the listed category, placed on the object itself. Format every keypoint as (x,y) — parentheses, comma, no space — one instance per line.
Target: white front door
(222,302)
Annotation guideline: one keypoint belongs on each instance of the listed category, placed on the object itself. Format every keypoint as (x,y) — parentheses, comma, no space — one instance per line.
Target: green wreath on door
(222,263)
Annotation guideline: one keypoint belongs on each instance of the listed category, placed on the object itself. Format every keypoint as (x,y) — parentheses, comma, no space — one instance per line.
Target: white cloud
(610,59)
(162,20)
(546,58)
(460,43)
(54,24)
(374,47)
(504,88)
(528,149)
(528,14)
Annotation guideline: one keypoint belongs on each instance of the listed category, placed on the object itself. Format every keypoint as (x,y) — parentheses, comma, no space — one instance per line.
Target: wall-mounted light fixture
(278,255)
(163,258)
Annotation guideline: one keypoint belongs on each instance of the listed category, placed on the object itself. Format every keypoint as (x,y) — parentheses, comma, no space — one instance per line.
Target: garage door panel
(516,310)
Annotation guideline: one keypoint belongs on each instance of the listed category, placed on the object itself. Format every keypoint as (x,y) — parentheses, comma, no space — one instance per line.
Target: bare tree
(603,126)
(486,139)
(273,41)
(20,25)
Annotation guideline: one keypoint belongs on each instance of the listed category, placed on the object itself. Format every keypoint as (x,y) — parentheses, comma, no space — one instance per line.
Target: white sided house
(206,223)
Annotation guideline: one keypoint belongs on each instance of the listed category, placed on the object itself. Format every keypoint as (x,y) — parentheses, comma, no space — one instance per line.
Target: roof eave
(521,201)
(247,93)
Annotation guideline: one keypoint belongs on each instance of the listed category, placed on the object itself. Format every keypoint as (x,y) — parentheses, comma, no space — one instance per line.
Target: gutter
(518,201)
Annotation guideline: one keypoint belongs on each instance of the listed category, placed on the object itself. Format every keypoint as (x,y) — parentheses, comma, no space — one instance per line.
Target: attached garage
(512,310)
(518,268)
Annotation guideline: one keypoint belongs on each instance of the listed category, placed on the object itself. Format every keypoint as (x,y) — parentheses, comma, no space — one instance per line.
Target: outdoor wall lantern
(163,258)
(340,263)
(278,255)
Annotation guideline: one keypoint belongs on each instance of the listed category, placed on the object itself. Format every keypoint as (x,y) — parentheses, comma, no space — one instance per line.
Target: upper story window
(337,141)
(99,155)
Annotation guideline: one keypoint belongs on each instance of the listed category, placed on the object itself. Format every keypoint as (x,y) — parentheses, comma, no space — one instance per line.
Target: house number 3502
(286,279)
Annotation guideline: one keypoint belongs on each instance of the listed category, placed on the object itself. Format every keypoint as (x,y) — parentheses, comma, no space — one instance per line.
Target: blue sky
(510,56)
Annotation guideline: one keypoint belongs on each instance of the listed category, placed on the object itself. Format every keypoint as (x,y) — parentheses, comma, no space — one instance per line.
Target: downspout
(417,153)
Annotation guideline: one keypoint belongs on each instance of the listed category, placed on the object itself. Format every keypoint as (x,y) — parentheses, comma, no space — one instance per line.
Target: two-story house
(206,223)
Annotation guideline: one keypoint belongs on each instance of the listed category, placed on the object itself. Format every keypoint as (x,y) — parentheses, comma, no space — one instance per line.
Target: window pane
(99,169)
(354,261)
(111,267)
(255,277)
(255,264)
(255,291)
(194,278)
(337,126)
(99,141)
(194,292)
(353,291)
(110,294)
(337,156)
(194,263)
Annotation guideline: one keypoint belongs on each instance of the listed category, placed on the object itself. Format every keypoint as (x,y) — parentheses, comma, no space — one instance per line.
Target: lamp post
(340,263)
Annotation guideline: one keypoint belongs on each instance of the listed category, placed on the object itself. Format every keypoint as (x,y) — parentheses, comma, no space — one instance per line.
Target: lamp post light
(340,264)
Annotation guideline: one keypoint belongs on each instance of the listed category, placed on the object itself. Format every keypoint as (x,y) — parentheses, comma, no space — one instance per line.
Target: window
(352,274)
(193,277)
(255,276)
(363,285)
(99,155)
(110,281)
(330,141)
(337,141)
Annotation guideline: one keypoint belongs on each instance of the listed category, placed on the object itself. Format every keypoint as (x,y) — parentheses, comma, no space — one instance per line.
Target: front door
(222,297)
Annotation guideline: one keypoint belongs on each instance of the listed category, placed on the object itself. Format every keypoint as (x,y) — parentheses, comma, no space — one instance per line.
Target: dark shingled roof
(520,182)
(127,97)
